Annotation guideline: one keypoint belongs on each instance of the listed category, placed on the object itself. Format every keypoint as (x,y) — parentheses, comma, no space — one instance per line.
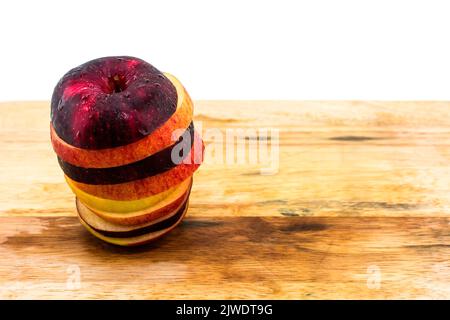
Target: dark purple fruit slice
(110,102)
(152,165)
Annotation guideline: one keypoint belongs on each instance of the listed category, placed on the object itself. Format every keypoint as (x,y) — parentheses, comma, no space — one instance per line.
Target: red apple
(110,102)
(113,123)
(159,139)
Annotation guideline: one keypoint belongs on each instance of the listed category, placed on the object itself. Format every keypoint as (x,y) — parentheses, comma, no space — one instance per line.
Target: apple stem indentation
(117,84)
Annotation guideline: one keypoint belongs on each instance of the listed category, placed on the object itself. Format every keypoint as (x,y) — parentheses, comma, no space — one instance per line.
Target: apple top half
(110,102)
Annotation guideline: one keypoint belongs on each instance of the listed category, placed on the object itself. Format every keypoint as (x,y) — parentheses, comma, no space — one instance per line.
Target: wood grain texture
(362,193)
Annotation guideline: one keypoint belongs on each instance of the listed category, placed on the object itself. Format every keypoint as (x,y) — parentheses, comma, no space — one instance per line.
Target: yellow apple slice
(123,206)
(160,209)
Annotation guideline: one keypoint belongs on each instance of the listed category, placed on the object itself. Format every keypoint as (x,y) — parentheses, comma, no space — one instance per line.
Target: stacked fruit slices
(135,193)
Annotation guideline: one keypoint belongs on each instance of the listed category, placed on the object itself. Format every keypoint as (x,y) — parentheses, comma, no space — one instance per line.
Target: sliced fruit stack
(125,140)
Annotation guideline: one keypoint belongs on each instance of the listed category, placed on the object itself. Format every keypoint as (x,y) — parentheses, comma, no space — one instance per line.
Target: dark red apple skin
(152,165)
(110,102)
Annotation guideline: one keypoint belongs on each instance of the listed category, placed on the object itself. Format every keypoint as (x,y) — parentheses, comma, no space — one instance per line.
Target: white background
(237,49)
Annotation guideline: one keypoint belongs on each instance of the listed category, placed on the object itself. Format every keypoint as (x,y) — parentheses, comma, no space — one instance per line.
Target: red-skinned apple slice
(122,155)
(156,163)
(138,189)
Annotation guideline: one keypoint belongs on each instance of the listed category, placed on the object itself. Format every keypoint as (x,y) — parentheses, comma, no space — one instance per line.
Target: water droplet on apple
(143,131)
(60,105)
(123,116)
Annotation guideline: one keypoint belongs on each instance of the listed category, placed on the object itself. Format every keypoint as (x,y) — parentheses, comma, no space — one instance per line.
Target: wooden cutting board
(359,208)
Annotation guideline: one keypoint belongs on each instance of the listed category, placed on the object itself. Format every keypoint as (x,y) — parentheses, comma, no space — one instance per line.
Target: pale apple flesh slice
(122,206)
(109,229)
(145,216)
(149,214)
(138,240)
